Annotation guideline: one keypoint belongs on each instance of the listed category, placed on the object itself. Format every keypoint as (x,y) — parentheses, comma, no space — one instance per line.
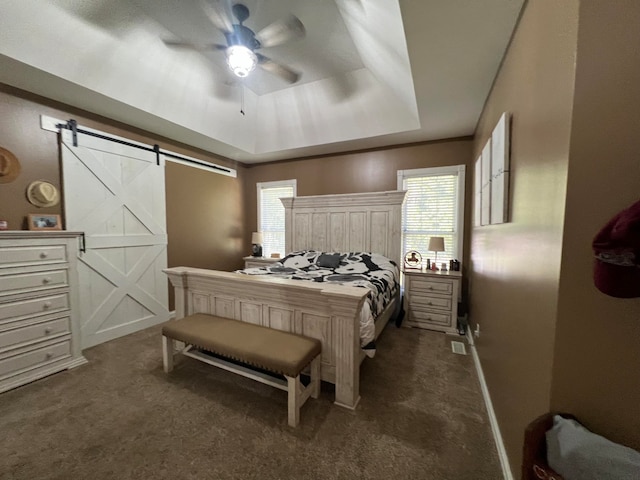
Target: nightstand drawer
(426,285)
(10,284)
(34,306)
(429,317)
(257,262)
(424,301)
(32,255)
(250,264)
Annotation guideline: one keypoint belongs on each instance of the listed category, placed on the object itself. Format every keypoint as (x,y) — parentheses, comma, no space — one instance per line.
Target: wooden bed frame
(369,222)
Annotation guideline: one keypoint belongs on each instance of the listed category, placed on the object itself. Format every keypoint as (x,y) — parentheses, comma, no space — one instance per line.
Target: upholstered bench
(275,351)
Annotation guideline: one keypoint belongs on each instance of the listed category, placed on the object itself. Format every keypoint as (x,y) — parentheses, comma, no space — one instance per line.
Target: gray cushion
(578,454)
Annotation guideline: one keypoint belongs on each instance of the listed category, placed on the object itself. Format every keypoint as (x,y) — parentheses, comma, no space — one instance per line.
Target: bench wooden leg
(293,388)
(298,394)
(167,353)
(315,377)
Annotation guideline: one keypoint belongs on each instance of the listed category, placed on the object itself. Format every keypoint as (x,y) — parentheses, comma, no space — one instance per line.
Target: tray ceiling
(374,73)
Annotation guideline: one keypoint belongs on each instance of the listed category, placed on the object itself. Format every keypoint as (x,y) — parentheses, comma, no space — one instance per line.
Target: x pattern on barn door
(115,194)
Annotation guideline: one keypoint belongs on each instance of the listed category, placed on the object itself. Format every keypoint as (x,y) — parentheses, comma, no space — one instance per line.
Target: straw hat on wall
(43,194)
(9,166)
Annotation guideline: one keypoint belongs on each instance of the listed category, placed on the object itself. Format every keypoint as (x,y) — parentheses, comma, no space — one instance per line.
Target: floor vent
(459,348)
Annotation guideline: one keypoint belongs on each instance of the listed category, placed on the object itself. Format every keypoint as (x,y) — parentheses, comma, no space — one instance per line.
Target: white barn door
(115,194)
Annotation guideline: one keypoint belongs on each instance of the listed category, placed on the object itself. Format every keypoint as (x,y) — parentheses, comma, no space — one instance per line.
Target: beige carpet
(120,417)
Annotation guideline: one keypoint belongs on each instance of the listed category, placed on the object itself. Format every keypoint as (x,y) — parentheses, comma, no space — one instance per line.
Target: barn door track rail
(73,126)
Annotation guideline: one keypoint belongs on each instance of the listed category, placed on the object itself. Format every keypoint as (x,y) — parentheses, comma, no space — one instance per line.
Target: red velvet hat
(617,250)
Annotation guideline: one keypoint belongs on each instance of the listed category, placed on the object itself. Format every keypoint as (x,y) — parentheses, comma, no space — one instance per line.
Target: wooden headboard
(352,222)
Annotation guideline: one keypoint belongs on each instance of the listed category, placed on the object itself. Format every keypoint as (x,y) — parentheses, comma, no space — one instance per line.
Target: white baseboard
(172,314)
(493,421)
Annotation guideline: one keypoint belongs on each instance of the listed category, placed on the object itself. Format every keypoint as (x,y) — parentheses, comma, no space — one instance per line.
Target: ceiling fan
(242,42)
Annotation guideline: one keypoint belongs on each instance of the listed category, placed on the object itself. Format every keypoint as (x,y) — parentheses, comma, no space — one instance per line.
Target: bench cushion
(274,350)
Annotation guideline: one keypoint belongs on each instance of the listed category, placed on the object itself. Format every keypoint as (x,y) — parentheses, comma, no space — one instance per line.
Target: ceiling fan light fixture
(241,60)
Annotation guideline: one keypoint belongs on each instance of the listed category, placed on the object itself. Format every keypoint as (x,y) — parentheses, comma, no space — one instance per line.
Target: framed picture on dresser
(38,221)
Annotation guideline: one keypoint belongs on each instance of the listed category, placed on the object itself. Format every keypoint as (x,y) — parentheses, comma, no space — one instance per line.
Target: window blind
(272,217)
(431,209)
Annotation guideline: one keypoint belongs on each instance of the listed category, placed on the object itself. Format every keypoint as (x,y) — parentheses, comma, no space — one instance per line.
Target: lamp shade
(436,244)
(256,238)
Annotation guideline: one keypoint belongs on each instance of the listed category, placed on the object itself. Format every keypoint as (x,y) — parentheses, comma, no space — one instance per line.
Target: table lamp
(256,241)
(436,244)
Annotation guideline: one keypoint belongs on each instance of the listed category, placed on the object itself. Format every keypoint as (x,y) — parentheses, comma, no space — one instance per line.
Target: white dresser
(39,326)
(431,299)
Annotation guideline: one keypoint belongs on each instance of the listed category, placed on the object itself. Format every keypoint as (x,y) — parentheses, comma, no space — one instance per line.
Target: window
(271,214)
(434,206)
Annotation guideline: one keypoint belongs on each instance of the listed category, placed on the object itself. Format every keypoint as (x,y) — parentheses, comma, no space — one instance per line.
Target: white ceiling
(374,72)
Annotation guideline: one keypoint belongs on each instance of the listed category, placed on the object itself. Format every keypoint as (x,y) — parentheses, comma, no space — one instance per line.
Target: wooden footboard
(329,313)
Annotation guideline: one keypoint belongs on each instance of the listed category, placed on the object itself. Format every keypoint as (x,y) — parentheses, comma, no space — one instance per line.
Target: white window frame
(458,170)
(263,185)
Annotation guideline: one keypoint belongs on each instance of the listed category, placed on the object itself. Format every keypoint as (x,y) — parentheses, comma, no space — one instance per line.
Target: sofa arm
(534,453)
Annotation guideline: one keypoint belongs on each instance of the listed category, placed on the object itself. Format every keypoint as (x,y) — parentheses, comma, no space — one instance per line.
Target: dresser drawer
(34,306)
(34,358)
(31,255)
(431,286)
(32,333)
(10,284)
(426,316)
(419,300)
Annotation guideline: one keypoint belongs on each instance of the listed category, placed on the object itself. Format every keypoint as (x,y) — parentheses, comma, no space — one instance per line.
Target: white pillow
(578,454)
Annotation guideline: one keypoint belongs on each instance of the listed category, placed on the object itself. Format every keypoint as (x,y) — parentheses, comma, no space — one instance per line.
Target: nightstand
(431,299)
(252,262)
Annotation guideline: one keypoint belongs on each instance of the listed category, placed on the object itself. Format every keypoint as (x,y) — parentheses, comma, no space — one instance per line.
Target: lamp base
(256,250)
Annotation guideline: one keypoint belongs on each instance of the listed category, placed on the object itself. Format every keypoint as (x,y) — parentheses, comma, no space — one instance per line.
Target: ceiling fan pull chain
(242,99)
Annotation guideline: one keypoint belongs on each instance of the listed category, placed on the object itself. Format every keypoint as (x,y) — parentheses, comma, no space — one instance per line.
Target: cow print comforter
(357,269)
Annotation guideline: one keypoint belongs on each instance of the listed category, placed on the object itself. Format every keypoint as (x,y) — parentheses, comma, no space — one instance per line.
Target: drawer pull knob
(46,305)
(47,330)
(49,355)
(43,255)
(430,288)
(429,303)
(46,280)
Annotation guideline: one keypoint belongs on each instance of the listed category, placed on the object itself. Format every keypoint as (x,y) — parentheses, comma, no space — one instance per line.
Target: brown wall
(367,171)
(209,207)
(516,266)
(204,210)
(596,372)
(36,149)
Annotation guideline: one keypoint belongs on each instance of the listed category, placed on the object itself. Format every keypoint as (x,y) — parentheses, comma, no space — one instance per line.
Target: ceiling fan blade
(287,74)
(193,46)
(219,13)
(281,31)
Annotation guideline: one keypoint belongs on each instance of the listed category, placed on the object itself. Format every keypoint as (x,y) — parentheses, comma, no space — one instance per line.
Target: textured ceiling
(374,72)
